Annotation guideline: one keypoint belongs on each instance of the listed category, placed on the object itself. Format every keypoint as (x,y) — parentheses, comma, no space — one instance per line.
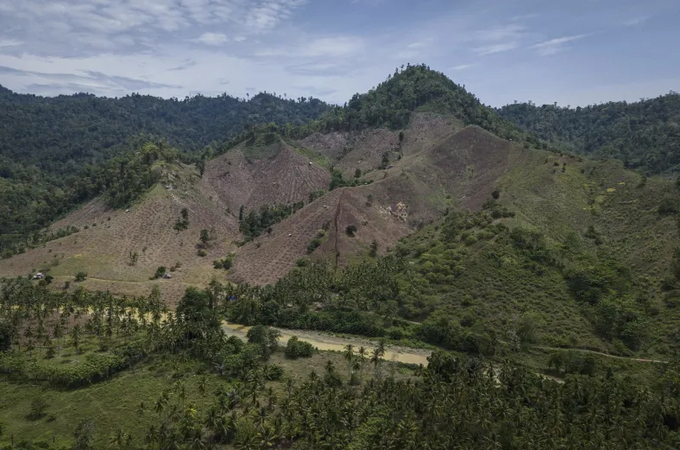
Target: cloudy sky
(574,52)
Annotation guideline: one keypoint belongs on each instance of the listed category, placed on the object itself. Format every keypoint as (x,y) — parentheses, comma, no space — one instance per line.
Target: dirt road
(329,342)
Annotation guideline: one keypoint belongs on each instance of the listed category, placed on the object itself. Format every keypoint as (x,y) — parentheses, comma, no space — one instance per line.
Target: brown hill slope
(460,172)
(108,239)
(255,176)
(437,165)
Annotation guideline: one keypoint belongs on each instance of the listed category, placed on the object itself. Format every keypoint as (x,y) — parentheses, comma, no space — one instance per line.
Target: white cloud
(330,47)
(501,33)
(268,13)
(636,21)
(556,45)
(498,39)
(9,43)
(460,67)
(496,48)
(212,38)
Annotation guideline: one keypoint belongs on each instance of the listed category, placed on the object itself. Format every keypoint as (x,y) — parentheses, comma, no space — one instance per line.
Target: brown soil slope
(461,171)
(438,165)
(275,175)
(103,250)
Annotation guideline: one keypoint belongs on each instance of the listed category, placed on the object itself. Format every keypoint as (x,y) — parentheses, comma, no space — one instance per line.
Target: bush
(81,276)
(5,335)
(160,272)
(298,349)
(225,263)
(395,334)
(351,230)
(672,299)
(373,252)
(313,245)
(667,206)
(302,262)
(202,253)
(38,407)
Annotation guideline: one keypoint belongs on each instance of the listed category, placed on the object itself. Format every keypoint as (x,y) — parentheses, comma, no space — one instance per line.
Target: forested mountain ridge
(645,135)
(60,134)
(390,105)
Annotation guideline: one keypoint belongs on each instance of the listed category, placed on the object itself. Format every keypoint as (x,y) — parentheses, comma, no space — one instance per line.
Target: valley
(330,282)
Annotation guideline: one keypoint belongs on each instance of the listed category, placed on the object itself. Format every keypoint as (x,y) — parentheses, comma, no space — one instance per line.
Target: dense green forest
(645,134)
(61,134)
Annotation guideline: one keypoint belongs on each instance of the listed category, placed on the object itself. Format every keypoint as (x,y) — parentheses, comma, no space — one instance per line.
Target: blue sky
(573,52)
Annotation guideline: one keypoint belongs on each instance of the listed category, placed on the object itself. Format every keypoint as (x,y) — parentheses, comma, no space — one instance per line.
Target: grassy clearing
(111,404)
(115,403)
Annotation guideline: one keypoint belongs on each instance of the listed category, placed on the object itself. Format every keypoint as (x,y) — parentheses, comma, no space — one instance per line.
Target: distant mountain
(645,135)
(60,134)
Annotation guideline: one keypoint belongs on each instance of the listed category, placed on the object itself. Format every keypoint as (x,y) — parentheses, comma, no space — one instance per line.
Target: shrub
(202,252)
(298,349)
(81,276)
(38,407)
(160,272)
(225,263)
(395,334)
(351,230)
(672,299)
(313,245)
(5,335)
(667,206)
(302,262)
(373,252)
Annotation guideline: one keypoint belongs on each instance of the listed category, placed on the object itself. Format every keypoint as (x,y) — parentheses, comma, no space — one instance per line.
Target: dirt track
(329,342)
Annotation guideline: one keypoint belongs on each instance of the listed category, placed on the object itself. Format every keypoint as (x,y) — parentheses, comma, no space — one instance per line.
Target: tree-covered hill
(60,134)
(645,134)
(414,88)
(391,105)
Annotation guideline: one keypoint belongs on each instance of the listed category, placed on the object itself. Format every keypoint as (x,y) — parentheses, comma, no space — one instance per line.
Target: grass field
(115,403)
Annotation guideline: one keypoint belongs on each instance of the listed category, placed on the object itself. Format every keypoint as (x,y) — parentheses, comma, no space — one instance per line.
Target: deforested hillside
(121,250)
(476,221)
(562,253)
(271,174)
(50,147)
(459,172)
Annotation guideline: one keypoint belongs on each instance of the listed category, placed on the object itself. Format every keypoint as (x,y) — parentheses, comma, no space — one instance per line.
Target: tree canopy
(645,135)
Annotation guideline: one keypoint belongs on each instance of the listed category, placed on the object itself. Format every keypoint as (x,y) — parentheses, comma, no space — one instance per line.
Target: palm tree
(120,439)
(202,385)
(376,360)
(349,357)
(75,336)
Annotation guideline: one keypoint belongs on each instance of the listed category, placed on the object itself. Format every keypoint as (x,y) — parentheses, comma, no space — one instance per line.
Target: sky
(573,52)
